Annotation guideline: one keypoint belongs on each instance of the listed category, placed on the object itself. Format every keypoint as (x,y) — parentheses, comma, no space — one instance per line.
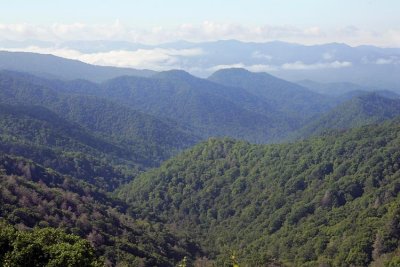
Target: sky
(152,13)
(354,22)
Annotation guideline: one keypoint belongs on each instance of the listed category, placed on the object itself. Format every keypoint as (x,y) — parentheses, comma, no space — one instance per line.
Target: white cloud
(261,68)
(155,59)
(298,65)
(165,59)
(328,56)
(386,61)
(221,67)
(206,31)
(259,55)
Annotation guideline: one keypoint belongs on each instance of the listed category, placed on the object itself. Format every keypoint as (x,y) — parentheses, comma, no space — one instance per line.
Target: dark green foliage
(44,247)
(149,138)
(32,196)
(331,200)
(84,136)
(360,110)
(43,136)
(207,108)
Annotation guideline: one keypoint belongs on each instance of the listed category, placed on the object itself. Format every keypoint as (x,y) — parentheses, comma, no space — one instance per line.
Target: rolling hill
(34,196)
(206,107)
(287,97)
(37,133)
(369,108)
(149,139)
(331,200)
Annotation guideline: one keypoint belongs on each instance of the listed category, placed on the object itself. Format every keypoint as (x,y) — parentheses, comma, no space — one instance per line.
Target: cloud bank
(298,65)
(68,41)
(206,31)
(156,59)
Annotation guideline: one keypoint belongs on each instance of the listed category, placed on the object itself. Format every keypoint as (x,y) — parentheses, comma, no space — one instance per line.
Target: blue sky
(150,13)
(312,21)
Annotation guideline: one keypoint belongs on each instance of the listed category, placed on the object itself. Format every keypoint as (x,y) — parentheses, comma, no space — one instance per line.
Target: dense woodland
(33,196)
(360,110)
(44,247)
(329,200)
(170,169)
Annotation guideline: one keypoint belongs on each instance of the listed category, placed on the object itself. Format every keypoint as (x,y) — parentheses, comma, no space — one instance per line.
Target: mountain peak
(174,74)
(234,74)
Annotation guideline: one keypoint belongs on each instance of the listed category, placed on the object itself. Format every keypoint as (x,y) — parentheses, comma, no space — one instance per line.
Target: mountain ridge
(50,66)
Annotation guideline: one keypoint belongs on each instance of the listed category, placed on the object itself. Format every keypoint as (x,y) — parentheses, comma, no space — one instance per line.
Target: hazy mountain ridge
(327,63)
(208,108)
(104,117)
(50,66)
(287,97)
(368,108)
(335,89)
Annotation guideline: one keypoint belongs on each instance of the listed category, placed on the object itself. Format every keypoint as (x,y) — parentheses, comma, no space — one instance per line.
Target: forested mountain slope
(44,247)
(208,108)
(332,200)
(147,139)
(172,110)
(289,98)
(361,110)
(37,133)
(31,195)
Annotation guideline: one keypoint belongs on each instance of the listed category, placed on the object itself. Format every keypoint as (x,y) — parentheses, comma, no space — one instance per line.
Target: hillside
(163,114)
(361,110)
(43,136)
(287,97)
(50,66)
(331,200)
(206,107)
(334,89)
(32,195)
(148,140)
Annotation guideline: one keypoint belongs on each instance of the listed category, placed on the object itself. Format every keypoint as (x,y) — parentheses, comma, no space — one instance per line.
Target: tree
(44,247)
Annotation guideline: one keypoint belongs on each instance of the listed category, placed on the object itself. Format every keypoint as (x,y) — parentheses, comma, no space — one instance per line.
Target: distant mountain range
(368,66)
(53,67)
